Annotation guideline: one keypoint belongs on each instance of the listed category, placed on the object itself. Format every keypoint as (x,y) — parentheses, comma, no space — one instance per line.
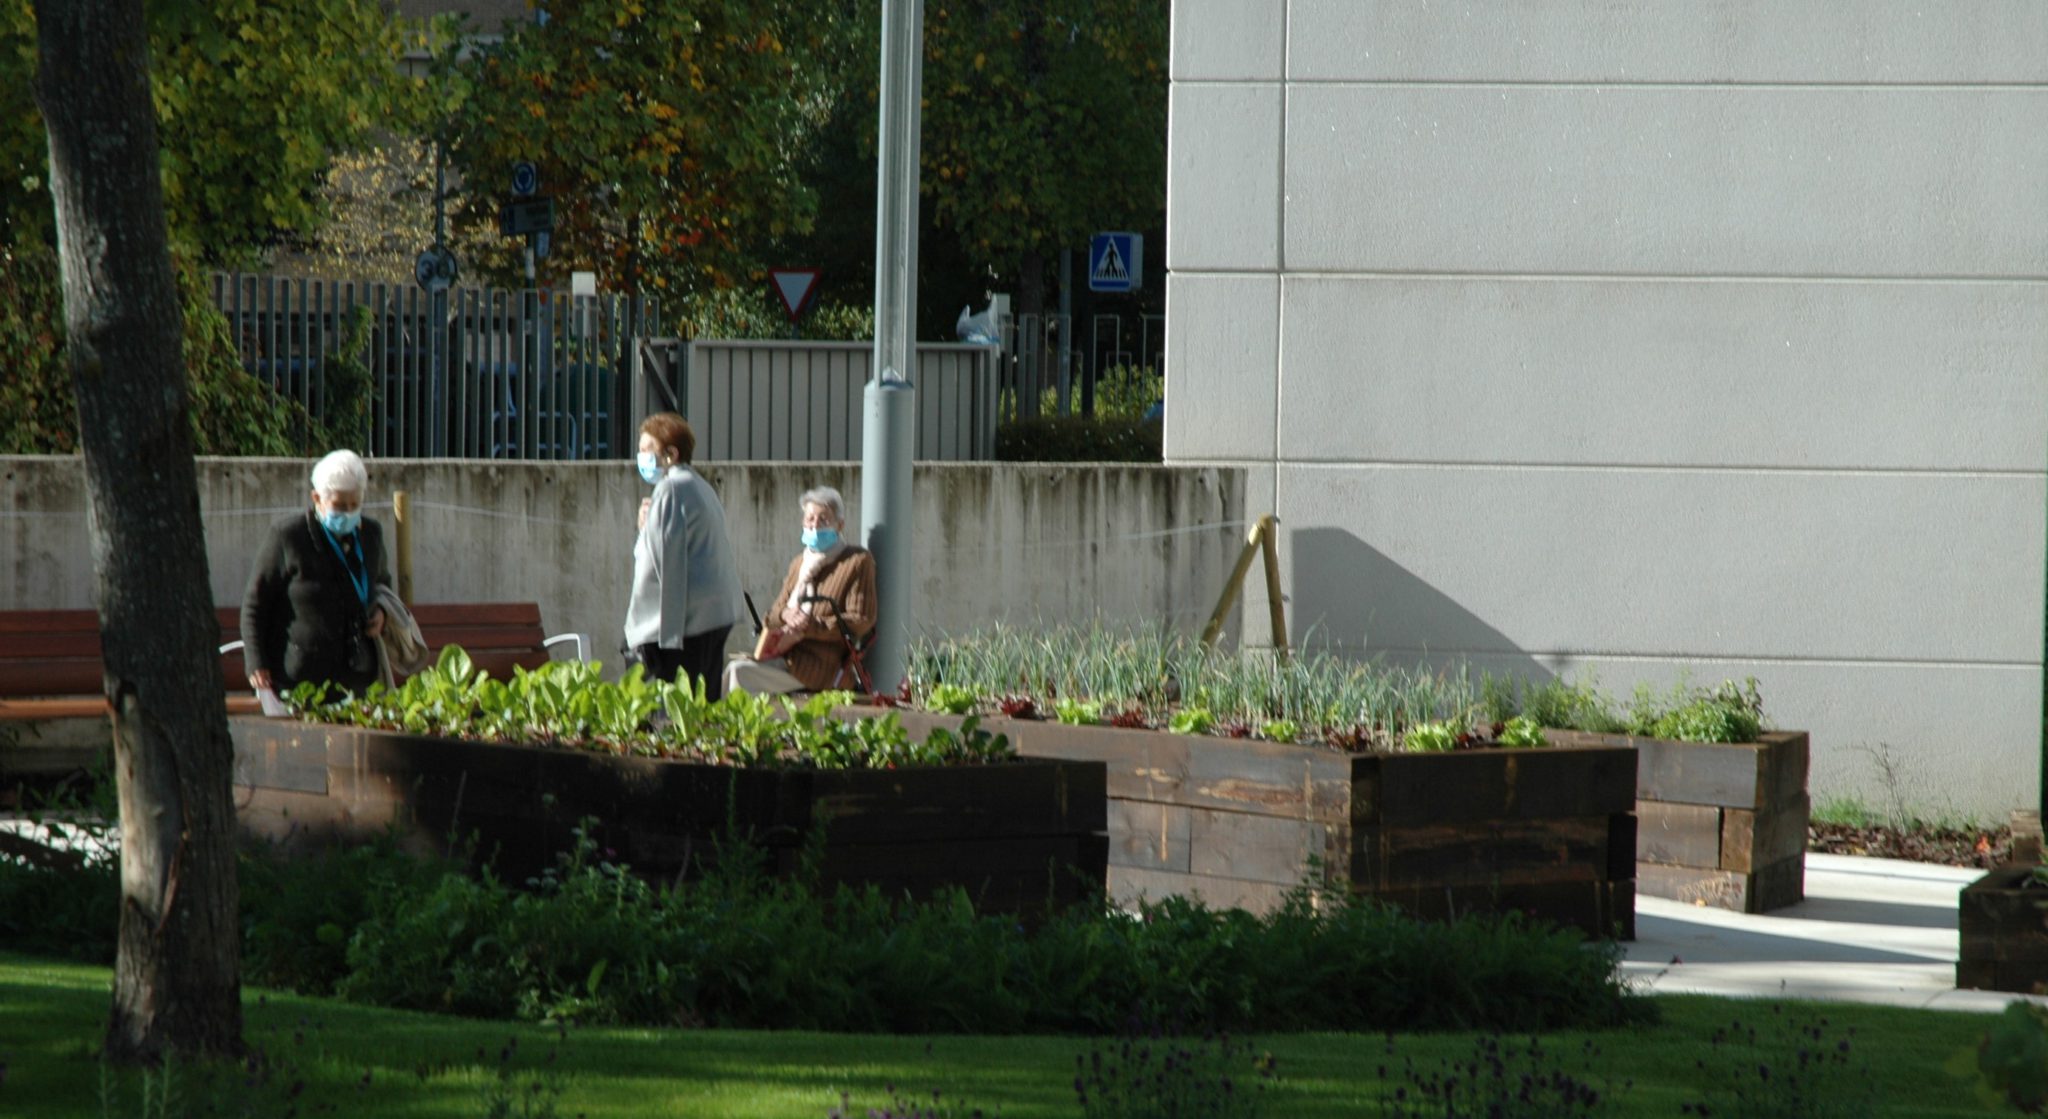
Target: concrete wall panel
(1676,373)
(1668,563)
(1714,181)
(1727,41)
(1223,177)
(1222,354)
(1957,739)
(1228,40)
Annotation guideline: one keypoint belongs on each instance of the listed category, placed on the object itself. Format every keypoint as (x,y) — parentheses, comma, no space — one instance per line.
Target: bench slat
(477,613)
(55,654)
(50,621)
(58,676)
(473,638)
(45,646)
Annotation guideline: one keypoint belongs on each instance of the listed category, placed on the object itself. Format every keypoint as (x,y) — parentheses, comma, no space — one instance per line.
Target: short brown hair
(671,430)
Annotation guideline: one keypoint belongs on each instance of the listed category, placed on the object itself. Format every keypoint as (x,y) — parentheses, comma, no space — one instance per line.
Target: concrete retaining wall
(994,542)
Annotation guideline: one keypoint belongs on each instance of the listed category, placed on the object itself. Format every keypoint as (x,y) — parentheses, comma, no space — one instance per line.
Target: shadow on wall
(1349,597)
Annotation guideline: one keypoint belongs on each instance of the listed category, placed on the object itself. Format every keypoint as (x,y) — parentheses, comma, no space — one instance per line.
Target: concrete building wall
(1019,543)
(1642,339)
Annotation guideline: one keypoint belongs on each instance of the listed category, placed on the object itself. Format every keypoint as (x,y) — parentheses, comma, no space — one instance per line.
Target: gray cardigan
(685,581)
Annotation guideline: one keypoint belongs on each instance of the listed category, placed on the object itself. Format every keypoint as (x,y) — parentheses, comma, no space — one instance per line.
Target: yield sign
(796,286)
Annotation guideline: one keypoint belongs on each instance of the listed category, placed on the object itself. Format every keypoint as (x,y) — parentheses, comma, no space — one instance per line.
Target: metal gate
(467,373)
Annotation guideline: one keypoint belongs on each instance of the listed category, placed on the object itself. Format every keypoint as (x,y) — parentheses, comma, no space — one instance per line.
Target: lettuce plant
(570,705)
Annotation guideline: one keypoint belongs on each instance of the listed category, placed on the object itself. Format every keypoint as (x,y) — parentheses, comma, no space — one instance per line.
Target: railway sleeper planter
(1550,833)
(1015,836)
(2002,933)
(1718,824)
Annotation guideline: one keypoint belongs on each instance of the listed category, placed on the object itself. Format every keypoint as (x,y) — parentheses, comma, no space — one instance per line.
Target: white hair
(341,472)
(826,496)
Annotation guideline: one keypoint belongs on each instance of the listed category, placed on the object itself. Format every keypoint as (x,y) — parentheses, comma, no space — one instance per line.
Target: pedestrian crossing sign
(1116,261)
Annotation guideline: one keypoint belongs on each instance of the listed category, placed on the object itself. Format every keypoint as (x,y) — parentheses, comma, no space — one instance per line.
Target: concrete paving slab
(1870,931)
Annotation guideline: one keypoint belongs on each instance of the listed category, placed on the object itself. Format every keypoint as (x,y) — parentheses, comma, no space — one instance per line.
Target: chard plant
(1077,712)
(570,705)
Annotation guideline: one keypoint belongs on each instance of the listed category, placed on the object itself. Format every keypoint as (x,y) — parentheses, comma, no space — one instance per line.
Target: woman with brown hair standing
(686,587)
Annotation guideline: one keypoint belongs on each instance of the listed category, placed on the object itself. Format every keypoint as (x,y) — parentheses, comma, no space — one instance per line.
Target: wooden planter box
(1013,835)
(2002,926)
(1719,824)
(1239,822)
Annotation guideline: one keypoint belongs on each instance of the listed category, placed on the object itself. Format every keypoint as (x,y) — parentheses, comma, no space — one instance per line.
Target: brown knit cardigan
(848,577)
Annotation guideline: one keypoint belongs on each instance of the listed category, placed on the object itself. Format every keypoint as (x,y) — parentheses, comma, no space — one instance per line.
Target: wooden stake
(1277,608)
(401,511)
(1260,538)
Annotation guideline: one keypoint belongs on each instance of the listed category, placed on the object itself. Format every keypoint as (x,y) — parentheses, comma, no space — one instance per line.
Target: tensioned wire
(534,518)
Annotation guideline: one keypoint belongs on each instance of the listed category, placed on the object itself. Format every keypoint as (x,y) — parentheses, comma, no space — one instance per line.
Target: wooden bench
(50,659)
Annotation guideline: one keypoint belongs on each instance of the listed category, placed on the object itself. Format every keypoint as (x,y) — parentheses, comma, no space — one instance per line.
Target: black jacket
(301,619)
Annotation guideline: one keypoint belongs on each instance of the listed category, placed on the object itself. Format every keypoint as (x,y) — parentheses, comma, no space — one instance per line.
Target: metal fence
(803,402)
(1046,353)
(468,373)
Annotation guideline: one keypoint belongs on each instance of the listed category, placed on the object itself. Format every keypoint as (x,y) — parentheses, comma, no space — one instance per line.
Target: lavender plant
(1153,1073)
(1790,1067)
(901,1106)
(1498,1079)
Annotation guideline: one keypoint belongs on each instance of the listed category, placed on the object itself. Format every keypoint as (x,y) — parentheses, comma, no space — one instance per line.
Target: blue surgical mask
(820,539)
(650,467)
(341,524)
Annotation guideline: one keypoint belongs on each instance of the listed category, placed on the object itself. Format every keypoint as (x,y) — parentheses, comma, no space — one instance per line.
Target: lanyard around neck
(360,583)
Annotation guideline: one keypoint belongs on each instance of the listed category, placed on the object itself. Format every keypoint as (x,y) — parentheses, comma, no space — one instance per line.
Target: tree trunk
(177,981)
(1031,332)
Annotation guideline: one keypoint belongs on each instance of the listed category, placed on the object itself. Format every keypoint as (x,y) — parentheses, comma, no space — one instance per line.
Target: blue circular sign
(525,178)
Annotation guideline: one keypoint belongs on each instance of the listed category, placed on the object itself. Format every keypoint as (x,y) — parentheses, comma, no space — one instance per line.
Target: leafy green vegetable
(1429,738)
(570,705)
(1522,731)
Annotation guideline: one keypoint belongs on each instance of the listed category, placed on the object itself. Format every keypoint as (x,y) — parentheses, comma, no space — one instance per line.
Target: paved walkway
(1870,931)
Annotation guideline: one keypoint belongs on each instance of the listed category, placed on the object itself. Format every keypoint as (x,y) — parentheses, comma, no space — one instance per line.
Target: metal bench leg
(582,643)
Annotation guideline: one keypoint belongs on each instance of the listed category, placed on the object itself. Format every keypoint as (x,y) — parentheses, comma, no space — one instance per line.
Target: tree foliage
(1044,120)
(666,131)
(232,413)
(252,100)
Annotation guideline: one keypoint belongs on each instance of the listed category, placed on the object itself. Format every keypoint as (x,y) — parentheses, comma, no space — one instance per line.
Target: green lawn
(51,1015)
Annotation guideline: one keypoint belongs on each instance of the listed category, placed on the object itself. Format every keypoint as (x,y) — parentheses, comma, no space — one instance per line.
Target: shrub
(2012,1060)
(1079,439)
(232,412)
(591,942)
(738,949)
(300,908)
(63,910)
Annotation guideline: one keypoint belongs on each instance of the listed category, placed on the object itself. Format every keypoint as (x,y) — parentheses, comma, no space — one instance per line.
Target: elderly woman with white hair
(830,584)
(310,611)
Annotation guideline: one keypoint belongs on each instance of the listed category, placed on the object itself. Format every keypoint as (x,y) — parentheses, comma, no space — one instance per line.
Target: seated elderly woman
(830,584)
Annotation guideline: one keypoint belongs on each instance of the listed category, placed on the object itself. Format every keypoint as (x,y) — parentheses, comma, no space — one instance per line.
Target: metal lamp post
(890,398)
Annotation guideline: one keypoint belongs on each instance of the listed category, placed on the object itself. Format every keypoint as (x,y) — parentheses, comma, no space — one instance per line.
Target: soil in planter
(1984,849)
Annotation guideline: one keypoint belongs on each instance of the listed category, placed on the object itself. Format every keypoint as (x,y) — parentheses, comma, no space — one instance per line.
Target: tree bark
(177,980)
(1031,317)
